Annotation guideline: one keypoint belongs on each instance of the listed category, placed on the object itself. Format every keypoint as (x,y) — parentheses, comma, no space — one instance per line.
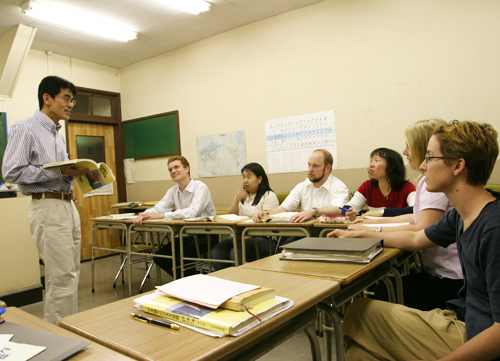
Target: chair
(143,247)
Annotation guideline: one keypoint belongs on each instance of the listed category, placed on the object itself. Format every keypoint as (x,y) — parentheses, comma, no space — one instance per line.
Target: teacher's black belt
(62,196)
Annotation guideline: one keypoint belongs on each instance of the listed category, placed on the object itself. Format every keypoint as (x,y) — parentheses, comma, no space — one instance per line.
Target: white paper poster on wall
(290,141)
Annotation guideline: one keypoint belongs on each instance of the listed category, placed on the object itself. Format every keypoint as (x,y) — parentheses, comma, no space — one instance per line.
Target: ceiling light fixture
(75,21)
(192,6)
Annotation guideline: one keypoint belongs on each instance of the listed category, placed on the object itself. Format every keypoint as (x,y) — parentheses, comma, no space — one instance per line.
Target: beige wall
(18,249)
(223,189)
(381,65)
(19,265)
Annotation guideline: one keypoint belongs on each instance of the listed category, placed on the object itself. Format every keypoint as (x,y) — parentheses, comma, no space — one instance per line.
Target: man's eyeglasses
(428,158)
(69,100)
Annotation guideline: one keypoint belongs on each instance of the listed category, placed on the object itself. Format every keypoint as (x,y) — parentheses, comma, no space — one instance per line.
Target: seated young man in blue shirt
(460,159)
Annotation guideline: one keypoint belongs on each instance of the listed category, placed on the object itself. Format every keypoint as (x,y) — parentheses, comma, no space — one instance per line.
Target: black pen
(154,321)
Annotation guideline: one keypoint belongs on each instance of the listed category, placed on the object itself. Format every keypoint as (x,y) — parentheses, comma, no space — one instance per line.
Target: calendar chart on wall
(290,141)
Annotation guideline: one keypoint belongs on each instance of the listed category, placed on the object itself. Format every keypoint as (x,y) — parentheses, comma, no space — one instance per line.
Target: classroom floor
(295,349)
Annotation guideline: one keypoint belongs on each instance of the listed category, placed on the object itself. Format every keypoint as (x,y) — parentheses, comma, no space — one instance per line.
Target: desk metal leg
(390,289)
(270,231)
(338,332)
(159,228)
(399,286)
(102,225)
(92,262)
(212,229)
(313,341)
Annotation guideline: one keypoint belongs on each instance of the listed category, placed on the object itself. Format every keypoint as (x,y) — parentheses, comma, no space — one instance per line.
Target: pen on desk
(154,321)
(345,209)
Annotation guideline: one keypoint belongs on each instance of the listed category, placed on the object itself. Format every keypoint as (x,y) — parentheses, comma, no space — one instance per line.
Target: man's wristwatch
(378,229)
(316,210)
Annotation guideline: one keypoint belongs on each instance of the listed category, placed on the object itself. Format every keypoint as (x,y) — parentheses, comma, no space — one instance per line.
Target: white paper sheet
(19,351)
(205,290)
(4,339)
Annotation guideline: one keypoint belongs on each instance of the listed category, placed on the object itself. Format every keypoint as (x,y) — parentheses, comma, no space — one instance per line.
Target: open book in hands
(99,175)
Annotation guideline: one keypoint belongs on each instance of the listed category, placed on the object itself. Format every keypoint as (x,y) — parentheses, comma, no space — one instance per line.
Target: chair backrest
(493,187)
(282,196)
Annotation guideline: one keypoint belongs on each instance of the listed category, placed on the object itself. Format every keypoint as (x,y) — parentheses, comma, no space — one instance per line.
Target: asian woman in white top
(256,195)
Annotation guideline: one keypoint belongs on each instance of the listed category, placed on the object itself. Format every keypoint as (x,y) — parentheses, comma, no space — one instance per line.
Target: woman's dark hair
(264,186)
(396,171)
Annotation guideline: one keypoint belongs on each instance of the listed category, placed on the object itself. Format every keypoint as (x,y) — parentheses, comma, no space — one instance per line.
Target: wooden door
(99,205)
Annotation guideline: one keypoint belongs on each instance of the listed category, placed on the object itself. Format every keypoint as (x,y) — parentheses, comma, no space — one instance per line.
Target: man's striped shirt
(33,142)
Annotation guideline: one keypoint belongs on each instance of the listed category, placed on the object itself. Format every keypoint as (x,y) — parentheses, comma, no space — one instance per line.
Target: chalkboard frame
(162,132)
(3,139)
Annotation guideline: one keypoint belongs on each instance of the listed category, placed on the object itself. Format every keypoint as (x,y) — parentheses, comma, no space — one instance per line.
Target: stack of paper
(351,250)
(197,300)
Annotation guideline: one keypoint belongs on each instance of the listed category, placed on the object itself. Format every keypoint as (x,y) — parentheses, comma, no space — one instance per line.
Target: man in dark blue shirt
(459,161)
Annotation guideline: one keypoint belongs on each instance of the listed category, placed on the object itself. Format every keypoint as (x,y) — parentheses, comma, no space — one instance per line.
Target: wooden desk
(268,229)
(93,352)
(112,326)
(353,278)
(344,273)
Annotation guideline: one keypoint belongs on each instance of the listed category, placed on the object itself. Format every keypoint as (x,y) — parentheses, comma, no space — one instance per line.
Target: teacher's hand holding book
(70,170)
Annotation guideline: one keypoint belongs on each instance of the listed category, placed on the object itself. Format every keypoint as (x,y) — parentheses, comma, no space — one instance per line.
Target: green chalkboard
(3,139)
(154,136)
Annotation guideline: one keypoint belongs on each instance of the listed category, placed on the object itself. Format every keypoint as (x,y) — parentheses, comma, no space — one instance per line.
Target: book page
(205,290)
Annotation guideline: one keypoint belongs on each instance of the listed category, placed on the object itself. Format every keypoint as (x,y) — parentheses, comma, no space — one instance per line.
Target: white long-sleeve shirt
(332,193)
(195,201)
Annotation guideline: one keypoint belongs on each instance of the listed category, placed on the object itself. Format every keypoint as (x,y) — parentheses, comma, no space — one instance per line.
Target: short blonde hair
(476,143)
(417,137)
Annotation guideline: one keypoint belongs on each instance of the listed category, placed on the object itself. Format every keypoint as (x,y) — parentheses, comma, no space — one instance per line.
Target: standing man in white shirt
(188,199)
(321,193)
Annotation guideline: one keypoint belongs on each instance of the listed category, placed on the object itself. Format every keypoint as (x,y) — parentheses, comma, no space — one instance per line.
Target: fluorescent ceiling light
(76,21)
(192,6)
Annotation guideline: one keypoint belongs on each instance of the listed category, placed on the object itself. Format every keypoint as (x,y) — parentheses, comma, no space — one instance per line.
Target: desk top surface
(277,224)
(344,273)
(93,352)
(175,222)
(181,222)
(112,326)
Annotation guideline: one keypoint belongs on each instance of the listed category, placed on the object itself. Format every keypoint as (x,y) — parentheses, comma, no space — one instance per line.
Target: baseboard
(23,297)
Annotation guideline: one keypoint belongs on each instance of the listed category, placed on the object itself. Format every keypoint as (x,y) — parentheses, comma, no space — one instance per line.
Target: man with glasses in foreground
(53,217)
(460,159)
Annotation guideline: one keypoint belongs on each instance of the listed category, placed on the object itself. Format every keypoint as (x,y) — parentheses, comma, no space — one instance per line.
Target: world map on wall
(221,154)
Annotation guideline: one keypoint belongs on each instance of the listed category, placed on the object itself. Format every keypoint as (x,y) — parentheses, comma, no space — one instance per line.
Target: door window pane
(103,107)
(82,104)
(90,147)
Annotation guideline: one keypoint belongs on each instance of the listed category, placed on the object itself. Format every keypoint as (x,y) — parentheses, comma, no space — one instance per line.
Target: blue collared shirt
(33,142)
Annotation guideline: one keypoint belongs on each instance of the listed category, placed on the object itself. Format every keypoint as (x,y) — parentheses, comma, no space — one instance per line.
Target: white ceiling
(161,29)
